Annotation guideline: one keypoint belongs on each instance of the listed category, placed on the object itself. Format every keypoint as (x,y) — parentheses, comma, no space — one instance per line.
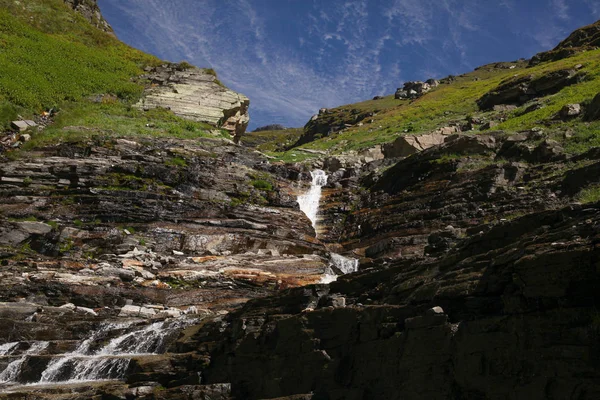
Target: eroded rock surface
(196,94)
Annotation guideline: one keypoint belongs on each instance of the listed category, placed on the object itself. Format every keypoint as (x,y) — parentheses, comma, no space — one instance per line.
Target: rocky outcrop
(406,145)
(330,121)
(416,89)
(583,39)
(519,90)
(90,11)
(196,94)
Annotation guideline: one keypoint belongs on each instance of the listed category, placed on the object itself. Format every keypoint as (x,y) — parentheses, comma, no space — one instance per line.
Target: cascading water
(93,360)
(11,372)
(309,202)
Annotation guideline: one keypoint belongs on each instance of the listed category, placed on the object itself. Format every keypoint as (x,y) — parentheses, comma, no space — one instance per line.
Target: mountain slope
(361,126)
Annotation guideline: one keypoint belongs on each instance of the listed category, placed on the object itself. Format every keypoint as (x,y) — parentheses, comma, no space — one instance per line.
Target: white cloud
(339,51)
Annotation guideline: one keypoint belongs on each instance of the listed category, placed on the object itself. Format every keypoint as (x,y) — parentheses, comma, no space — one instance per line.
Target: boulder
(548,151)
(34,228)
(404,146)
(412,90)
(570,111)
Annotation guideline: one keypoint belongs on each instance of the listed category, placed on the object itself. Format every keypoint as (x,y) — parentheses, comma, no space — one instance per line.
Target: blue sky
(292,57)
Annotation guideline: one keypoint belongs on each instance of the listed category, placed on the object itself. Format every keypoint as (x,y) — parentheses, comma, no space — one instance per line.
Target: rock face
(519,90)
(90,11)
(404,146)
(482,279)
(196,94)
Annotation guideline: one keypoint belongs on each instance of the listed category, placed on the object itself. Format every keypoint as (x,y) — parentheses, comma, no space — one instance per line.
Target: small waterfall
(6,349)
(309,202)
(105,355)
(11,372)
(344,264)
(339,265)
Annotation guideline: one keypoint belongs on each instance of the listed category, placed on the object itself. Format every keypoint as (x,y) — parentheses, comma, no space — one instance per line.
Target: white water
(92,361)
(11,372)
(309,202)
(344,264)
(339,263)
(7,348)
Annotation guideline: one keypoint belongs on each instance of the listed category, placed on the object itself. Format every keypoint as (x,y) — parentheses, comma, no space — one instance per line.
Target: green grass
(50,55)
(271,141)
(590,194)
(262,184)
(454,102)
(78,121)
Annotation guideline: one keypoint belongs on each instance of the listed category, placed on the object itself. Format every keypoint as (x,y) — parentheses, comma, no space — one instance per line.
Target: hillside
(361,126)
(442,245)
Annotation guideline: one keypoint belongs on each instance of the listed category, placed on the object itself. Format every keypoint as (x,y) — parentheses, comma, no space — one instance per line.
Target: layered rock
(196,94)
(521,89)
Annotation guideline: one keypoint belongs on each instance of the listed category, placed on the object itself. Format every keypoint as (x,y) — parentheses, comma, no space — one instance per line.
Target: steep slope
(508,96)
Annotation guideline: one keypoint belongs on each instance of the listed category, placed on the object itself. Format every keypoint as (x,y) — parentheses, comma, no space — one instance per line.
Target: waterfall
(11,372)
(339,265)
(105,355)
(7,348)
(344,264)
(309,202)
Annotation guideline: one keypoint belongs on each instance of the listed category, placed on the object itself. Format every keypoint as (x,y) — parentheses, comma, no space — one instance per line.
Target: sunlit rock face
(196,94)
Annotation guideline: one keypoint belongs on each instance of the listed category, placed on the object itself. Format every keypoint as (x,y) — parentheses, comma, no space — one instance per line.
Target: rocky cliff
(196,94)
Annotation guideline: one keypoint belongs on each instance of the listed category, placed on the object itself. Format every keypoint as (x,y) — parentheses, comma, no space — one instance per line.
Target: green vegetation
(261,184)
(590,194)
(50,55)
(453,103)
(271,141)
(176,162)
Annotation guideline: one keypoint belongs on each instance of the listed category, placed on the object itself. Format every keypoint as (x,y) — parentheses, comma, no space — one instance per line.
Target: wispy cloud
(295,57)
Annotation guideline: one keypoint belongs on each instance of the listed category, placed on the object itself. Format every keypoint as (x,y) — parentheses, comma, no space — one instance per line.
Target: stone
(69,306)
(412,90)
(34,228)
(23,125)
(87,311)
(130,311)
(196,94)
(570,111)
(548,151)
(435,311)
(404,146)
(147,312)
(521,89)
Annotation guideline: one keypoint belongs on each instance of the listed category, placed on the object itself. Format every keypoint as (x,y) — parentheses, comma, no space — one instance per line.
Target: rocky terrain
(196,94)
(145,255)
